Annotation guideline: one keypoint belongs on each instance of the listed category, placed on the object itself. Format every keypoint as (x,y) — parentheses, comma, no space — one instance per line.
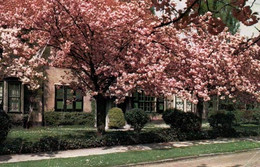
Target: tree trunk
(205,110)
(100,113)
(200,110)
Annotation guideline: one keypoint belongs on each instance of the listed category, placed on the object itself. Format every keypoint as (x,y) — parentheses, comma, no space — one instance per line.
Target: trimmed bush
(137,118)
(69,118)
(116,118)
(222,124)
(222,120)
(5,125)
(181,121)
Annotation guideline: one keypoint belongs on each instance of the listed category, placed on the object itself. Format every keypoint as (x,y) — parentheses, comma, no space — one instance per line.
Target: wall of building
(54,77)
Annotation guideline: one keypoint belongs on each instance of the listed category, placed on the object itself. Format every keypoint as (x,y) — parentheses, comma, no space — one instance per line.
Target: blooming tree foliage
(111,47)
(223,65)
(23,66)
(181,17)
(114,47)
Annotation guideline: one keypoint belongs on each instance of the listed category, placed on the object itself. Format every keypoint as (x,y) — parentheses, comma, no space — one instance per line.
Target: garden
(76,130)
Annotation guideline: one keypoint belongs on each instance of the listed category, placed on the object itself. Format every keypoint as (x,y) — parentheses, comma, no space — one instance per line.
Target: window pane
(70,93)
(189,106)
(14,90)
(135,105)
(179,103)
(78,105)
(14,93)
(14,104)
(135,95)
(69,106)
(60,105)
(60,92)
(161,106)
(79,95)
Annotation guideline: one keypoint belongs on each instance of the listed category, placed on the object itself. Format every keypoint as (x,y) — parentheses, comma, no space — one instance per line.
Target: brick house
(57,96)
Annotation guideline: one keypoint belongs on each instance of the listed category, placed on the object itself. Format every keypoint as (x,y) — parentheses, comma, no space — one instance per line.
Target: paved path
(245,159)
(106,150)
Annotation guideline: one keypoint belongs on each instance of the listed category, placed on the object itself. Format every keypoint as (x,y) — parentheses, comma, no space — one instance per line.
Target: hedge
(55,143)
(242,116)
(112,138)
(5,125)
(69,118)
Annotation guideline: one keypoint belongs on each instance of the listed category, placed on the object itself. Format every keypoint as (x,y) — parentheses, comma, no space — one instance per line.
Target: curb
(185,158)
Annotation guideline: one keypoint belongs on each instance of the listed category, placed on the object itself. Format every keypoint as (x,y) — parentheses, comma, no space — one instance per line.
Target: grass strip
(130,157)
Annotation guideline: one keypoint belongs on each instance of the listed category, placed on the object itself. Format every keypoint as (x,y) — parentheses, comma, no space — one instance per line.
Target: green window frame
(14,97)
(67,99)
(1,95)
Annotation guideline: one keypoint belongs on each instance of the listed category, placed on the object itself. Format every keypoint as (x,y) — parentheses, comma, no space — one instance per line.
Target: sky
(251,31)
(248,31)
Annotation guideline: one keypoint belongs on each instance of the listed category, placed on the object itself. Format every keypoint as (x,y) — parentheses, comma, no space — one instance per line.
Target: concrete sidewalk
(107,150)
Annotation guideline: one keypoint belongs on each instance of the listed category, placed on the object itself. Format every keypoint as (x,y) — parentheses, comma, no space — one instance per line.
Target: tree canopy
(115,47)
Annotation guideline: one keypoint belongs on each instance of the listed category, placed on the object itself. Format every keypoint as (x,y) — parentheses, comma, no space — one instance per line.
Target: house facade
(56,95)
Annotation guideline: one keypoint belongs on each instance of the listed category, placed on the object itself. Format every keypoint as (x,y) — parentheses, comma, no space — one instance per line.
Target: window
(179,104)
(14,97)
(147,103)
(66,99)
(160,105)
(189,106)
(1,95)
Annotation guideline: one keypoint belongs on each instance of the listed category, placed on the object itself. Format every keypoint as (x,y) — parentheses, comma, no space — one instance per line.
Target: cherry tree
(189,13)
(223,65)
(111,47)
(26,68)
(114,48)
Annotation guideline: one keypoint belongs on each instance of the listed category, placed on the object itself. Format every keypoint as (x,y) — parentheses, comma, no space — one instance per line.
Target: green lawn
(81,131)
(139,156)
(68,131)
(36,133)
(43,139)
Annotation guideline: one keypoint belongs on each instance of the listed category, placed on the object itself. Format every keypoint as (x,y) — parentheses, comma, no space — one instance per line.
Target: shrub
(5,126)
(137,118)
(247,116)
(112,138)
(69,118)
(116,118)
(181,121)
(238,116)
(256,117)
(222,122)
(241,116)
(16,119)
